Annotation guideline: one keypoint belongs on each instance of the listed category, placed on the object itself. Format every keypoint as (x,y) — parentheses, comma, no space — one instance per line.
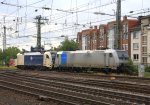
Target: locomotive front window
(47,56)
(57,55)
(123,55)
(110,55)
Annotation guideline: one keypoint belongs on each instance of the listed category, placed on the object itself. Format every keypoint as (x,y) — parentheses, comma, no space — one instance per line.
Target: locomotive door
(47,60)
(106,59)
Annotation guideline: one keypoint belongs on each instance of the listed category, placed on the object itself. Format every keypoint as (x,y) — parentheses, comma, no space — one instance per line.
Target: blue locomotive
(34,60)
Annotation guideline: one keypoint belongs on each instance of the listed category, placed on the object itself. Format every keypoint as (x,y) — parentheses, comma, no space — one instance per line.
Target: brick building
(87,39)
(79,40)
(127,25)
(105,36)
(93,38)
(83,39)
(102,37)
(111,30)
(135,38)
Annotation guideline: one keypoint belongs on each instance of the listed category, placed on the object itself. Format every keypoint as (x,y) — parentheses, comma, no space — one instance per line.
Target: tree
(68,45)
(11,52)
(1,56)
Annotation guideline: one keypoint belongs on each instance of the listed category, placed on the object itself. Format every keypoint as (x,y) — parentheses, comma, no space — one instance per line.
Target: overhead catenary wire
(59,16)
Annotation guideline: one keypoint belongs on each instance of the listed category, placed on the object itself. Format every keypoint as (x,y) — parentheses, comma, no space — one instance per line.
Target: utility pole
(118,26)
(39,18)
(4,44)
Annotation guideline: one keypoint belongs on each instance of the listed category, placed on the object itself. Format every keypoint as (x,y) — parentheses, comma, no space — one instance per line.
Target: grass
(7,68)
(147,74)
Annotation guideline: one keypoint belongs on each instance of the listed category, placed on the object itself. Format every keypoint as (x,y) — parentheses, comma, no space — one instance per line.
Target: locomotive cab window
(57,55)
(47,56)
(123,55)
(110,55)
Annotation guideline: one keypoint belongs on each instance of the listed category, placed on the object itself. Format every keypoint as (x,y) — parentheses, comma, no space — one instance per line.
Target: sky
(60,17)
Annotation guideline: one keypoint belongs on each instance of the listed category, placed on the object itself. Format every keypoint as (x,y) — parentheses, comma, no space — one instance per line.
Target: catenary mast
(118,26)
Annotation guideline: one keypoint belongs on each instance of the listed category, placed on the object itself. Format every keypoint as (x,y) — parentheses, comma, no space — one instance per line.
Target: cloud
(64,18)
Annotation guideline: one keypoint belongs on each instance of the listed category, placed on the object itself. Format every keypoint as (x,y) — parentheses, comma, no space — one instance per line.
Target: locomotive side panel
(97,59)
(93,59)
(33,60)
(111,59)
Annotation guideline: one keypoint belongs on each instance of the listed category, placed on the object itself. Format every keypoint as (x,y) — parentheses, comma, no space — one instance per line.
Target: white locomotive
(109,59)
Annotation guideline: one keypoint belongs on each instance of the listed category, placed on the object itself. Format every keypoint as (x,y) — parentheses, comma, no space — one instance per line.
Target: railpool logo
(31,58)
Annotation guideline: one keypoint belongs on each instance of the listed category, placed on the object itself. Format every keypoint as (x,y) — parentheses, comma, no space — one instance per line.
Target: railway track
(125,78)
(106,77)
(73,86)
(120,85)
(48,93)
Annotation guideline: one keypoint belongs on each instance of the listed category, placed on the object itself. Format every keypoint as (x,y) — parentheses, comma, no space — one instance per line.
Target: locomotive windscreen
(123,55)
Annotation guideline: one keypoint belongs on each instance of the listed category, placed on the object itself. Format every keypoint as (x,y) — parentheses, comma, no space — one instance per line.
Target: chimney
(125,18)
(95,27)
(91,27)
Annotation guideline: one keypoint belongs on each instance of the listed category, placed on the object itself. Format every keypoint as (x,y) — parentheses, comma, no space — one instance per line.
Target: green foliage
(147,69)
(68,45)
(1,56)
(10,52)
(131,68)
(147,74)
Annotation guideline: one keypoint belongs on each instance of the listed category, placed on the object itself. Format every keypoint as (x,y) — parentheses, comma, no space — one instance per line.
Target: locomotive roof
(90,51)
(32,53)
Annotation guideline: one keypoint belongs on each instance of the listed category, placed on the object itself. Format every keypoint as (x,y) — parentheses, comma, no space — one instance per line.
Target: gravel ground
(12,98)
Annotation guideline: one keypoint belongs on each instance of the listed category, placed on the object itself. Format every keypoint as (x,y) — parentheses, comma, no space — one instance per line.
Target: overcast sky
(65,17)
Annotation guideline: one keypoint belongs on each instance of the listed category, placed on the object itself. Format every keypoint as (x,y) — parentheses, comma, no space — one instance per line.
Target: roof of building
(138,28)
(143,17)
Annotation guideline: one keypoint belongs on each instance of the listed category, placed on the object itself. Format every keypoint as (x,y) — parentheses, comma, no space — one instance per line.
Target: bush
(147,69)
(132,69)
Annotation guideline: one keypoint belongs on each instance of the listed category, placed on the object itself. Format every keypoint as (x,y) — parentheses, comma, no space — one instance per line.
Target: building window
(135,35)
(126,47)
(144,50)
(85,47)
(135,56)
(126,36)
(88,38)
(94,36)
(144,30)
(144,59)
(124,28)
(135,46)
(123,36)
(144,38)
(123,47)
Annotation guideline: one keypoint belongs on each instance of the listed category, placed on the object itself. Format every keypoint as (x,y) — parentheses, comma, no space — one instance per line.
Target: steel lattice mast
(118,26)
